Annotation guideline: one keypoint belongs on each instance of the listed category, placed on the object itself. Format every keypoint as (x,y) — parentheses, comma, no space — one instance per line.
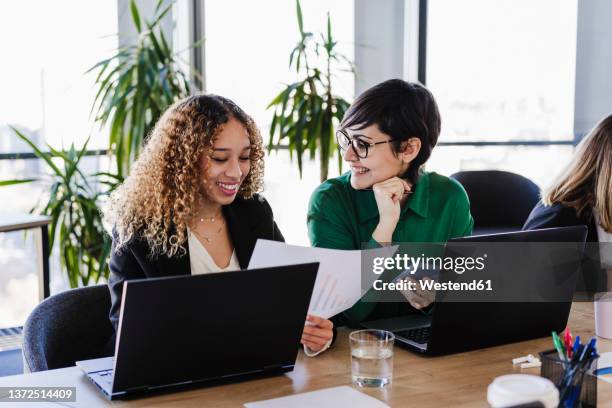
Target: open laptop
(205,329)
(457,325)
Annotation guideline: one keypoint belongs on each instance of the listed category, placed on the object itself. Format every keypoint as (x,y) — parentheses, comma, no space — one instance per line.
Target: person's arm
(462,225)
(463,222)
(326,228)
(123,266)
(388,195)
(329,227)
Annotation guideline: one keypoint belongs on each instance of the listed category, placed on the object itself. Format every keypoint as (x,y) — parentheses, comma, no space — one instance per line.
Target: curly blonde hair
(156,201)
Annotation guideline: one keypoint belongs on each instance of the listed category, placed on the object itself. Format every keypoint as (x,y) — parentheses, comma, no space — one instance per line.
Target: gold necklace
(212,219)
(209,238)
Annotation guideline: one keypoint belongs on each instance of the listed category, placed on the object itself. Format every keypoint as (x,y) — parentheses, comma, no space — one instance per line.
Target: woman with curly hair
(190,204)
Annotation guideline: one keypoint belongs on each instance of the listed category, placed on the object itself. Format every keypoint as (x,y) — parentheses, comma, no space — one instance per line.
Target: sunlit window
(503,71)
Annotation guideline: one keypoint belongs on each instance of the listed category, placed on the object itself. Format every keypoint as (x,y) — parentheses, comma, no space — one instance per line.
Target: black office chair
(500,201)
(68,327)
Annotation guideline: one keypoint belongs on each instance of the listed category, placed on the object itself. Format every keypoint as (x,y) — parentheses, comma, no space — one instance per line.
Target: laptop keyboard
(106,376)
(419,335)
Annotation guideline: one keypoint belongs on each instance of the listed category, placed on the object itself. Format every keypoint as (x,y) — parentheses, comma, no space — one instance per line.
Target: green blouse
(341,217)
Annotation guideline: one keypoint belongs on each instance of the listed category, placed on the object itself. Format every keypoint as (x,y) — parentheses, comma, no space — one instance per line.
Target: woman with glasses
(386,137)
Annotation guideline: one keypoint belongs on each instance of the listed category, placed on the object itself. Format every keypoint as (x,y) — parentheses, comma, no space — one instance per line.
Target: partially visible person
(191,205)
(582,195)
(386,137)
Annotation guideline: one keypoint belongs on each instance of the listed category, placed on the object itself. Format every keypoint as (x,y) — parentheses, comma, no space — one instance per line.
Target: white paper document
(344,396)
(604,367)
(339,281)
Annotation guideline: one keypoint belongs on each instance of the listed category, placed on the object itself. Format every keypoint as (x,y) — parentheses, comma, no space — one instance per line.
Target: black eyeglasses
(360,146)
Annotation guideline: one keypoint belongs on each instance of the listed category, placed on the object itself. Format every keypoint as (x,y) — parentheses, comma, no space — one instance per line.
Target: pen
(576,344)
(558,346)
(577,354)
(589,350)
(567,340)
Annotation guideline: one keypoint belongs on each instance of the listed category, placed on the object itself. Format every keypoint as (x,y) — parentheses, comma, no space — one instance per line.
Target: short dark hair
(402,110)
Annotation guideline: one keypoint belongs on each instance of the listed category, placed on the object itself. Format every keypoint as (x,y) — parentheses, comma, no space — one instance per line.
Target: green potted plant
(72,204)
(135,86)
(306,112)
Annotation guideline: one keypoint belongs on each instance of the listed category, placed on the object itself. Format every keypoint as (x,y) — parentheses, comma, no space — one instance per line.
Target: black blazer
(557,215)
(247,220)
(593,278)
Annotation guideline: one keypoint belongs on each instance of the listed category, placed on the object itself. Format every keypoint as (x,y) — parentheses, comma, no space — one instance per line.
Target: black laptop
(179,332)
(536,284)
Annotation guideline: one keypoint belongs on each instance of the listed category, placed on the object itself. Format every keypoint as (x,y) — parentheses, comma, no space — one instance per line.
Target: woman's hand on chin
(388,195)
(318,332)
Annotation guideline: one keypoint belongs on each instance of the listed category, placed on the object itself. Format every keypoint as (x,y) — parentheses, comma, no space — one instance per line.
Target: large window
(503,71)
(46,48)
(247,57)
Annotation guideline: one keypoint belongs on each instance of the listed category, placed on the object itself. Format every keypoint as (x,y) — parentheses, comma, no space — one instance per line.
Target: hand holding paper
(339,281)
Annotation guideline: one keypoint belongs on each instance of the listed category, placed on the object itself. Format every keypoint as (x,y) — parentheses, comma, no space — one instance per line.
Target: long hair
(156,201)
(586,183)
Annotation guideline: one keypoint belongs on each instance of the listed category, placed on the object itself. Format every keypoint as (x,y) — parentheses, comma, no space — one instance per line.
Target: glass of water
(372,357)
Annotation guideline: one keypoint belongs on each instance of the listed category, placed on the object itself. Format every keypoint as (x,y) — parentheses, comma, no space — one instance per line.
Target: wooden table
(458,380)
(18,222)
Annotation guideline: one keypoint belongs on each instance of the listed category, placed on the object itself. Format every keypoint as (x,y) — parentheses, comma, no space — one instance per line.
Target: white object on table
(344,396)
(515,389)
(603,314)
(533,364)
(524,359)
(528,361)
(339,281)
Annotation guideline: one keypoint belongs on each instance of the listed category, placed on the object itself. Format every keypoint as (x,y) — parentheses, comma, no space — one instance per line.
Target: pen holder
(554,369)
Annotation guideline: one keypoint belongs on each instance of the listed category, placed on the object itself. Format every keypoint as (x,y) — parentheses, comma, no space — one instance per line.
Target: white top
(201,261)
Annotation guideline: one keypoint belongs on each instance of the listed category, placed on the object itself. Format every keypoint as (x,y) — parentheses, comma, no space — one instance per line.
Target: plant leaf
(40,154)
(135,15)
(298,9)
(13,182)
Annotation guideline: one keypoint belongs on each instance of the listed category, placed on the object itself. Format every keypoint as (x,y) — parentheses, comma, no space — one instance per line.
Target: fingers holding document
(318,333)
(420,297)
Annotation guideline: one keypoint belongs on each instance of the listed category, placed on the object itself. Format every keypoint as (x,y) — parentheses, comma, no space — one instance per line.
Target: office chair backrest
(499,200)
(68,327)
